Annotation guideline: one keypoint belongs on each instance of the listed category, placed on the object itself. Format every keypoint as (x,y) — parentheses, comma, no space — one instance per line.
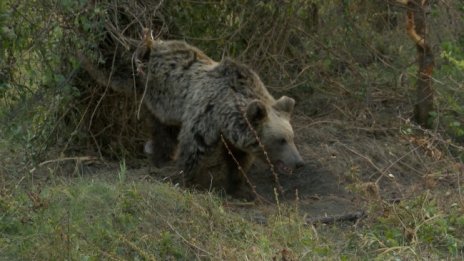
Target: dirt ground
(346,167)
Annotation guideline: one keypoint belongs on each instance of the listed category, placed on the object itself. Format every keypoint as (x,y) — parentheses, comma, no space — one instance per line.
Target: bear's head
(272,124)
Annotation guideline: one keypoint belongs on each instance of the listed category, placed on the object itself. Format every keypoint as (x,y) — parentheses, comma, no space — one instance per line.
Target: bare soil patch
(346,167)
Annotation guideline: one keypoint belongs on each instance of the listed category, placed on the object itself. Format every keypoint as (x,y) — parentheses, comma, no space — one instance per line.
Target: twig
(364,157)
(386,250)
(460,172)
(397,161)
(188,242)
(92,244)
(146,45)
(83,158)
(240,204)
(271,166)
(354,216)
(140,251)
(253,188)
(108,84)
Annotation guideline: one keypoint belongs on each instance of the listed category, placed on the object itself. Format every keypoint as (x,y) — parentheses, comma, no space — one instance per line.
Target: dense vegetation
(73,182)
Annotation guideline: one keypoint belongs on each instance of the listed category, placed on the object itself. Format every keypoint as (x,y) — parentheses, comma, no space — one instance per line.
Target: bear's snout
(297,160)
(299,163)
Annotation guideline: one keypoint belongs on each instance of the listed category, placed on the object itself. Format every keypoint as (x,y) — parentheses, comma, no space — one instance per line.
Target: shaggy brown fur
(184,88)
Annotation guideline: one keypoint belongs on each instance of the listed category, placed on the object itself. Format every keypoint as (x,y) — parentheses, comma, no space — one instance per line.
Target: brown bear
(221,113)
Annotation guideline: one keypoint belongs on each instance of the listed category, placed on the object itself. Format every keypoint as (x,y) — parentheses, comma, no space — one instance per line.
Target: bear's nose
(299,164)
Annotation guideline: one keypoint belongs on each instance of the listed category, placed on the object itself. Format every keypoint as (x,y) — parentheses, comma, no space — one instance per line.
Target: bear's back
(242,80)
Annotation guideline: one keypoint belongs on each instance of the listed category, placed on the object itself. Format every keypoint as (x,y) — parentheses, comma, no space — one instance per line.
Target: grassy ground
(352,71)
(84,219)
(122,215)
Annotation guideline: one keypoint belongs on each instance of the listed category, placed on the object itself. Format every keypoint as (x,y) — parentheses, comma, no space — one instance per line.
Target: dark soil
(317,190)
(346,166)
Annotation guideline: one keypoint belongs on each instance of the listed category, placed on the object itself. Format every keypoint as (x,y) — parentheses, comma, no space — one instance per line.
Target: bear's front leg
(162,146)
(235,166)
(191,149)
(209,164)
(203,161)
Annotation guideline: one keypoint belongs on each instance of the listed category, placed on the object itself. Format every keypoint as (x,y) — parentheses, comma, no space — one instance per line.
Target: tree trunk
(416,28)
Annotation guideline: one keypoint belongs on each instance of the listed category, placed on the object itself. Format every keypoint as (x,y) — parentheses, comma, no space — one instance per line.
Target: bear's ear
(256,111)
(285,104)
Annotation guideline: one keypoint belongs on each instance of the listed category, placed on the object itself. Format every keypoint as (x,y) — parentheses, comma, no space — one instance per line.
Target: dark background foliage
(350,56)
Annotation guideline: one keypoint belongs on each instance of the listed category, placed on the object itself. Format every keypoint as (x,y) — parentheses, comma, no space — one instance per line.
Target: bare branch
(353,216)
(411,29)
(103,78)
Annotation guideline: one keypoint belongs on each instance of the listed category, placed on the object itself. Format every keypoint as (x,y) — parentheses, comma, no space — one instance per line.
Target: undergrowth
(88,219)
(115,219)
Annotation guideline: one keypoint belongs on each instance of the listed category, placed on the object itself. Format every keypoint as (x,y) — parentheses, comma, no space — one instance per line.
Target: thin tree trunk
(416,28)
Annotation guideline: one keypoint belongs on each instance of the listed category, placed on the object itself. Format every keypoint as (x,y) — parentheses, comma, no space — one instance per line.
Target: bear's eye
(282,141)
